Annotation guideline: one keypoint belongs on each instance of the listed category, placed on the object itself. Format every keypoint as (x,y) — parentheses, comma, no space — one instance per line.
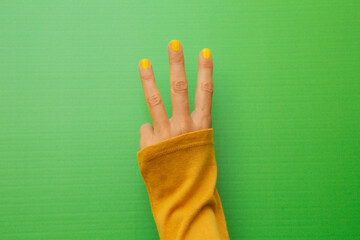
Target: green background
(286,114)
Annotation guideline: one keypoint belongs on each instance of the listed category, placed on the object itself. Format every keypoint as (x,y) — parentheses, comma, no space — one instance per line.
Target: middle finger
(178,82)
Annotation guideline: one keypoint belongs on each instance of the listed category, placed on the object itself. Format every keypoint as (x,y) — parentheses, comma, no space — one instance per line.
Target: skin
(182,121)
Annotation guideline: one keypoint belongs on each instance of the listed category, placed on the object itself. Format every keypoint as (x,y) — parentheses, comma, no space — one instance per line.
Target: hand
(181,121)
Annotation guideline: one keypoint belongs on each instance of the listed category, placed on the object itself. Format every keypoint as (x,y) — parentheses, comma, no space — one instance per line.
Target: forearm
(180,175)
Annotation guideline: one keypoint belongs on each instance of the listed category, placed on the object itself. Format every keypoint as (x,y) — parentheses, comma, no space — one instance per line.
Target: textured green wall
(286,114)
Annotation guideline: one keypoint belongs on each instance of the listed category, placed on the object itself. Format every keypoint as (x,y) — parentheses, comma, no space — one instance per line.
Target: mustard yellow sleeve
(180,177)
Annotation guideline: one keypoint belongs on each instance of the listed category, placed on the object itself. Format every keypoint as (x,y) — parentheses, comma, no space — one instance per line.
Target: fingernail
(144,63)
(206,53)
(175,45)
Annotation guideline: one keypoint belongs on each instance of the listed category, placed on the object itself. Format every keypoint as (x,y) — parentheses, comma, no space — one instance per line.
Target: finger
(204,86)
(178,82)
(152,95)
(146,133)
(146,130)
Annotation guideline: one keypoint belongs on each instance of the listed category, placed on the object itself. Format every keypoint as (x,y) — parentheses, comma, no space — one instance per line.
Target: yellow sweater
(180,177)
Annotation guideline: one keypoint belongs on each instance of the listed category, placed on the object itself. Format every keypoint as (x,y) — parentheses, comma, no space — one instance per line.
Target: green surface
(286,114)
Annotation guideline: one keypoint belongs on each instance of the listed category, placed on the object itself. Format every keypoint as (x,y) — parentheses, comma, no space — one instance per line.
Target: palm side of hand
(182,121)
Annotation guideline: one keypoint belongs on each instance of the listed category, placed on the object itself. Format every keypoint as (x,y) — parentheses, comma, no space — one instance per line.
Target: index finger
(152,95)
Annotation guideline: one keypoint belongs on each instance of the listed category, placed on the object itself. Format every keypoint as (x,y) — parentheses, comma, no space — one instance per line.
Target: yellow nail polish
(144,63)
(175,45)
(206,53)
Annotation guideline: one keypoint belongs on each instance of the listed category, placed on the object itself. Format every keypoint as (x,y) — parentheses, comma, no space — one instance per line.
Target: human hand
(181,121)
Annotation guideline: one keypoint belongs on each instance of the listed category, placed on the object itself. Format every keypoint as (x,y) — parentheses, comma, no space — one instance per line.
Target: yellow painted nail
(175,45)
(206,53)
(144,63)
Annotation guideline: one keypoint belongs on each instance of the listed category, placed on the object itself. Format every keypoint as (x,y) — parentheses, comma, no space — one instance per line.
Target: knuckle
(183,126)
(143,127)
(180,86)
(207,87)
(205,122)
(176,58)
(147,77)
(163,132)
(154,100)
(206,64)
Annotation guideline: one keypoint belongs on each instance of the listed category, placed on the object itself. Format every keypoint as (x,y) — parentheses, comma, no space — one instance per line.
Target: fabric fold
(180,176)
